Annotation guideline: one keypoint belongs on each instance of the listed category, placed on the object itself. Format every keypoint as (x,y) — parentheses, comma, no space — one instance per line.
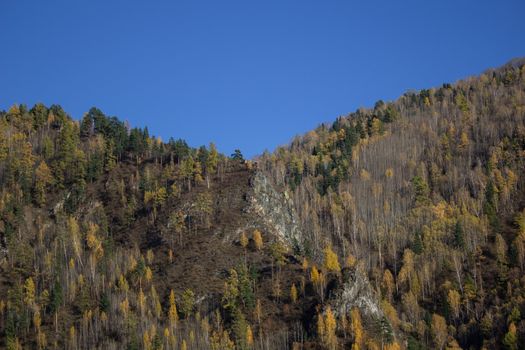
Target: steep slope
(427,192)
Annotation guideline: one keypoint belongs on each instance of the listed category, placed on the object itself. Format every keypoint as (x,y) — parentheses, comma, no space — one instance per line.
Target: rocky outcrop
(356,291)
(275,211)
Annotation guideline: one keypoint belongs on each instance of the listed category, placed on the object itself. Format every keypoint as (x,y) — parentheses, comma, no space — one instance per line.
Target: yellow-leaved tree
(326,328)
(331,261)
(172,312)
(356,329)
(257,239)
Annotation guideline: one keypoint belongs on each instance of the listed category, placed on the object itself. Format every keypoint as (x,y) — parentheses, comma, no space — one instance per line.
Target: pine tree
(240,329)
(459,239)
(187,302)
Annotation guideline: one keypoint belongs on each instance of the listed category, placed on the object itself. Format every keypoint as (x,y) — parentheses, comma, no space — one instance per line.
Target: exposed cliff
(275,211)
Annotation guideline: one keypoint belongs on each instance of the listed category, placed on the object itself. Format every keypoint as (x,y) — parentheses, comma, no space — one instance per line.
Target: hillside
(396,227)
(427,192)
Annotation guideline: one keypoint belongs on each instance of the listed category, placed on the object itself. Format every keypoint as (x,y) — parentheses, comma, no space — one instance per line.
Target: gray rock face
(277,215)
(276,211)
(357,292)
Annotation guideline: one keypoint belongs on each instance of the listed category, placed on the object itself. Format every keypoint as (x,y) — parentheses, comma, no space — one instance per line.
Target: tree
(411,307)
(221,341)
(330,325)
(74,232)
(454,301)
(421,190)
(501,249)
(172,312)
(356,328)
(231,291)
(388,284)
(186,170)
(390,313)
(406,272)
(177,223)
(204,208)
(257,239)
(87,126)
(29,289)
(237,155)
(141,301)
(249,337)
(37,320)
(187,302)
(439,331)
(390,115)
(293,293)
(43,178)
(417,245)
(240,330)
(211,163)
(350,261)
(278,251)
(314,275)
(459,239)
(321,330)
(377,127)
(258,311)
(56,301)
(305,264)
(331,262)
(64,166)
(243,240)
(510,339)
(385,329)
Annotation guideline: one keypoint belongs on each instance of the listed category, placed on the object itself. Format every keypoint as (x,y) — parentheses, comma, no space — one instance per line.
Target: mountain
(396,227)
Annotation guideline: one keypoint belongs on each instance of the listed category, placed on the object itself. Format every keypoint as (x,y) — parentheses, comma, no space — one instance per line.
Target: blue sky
(244,74)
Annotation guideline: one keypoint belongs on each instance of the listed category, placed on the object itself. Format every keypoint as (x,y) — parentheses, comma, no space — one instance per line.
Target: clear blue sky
(246,74)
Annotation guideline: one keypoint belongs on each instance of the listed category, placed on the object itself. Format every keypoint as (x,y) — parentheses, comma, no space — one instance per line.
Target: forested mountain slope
(427,192)
(396,227)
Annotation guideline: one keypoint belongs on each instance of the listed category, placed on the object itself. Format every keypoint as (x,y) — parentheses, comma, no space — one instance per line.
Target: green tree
(231,291)
(421,190)
(56,301)
(459,239)
(237,155)
(240,328)
(64,164)
(187,303)
(510,340)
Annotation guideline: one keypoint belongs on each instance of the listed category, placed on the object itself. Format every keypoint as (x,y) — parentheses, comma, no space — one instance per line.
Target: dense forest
(400,226)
